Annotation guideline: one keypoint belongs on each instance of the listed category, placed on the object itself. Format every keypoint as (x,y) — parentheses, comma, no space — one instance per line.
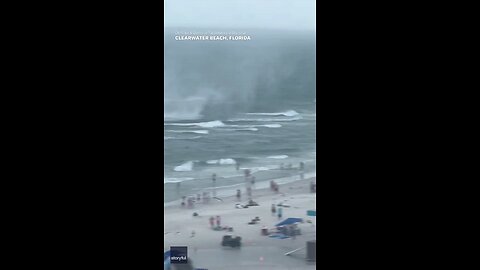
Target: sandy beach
(257,251)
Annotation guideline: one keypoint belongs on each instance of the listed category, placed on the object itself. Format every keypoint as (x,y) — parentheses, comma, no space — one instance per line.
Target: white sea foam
(278,157)
(210,124)
(227,161)
(272,125)
(222,161)
(176,180)
(262,168)
(189,131)
(258,169)
(215,161)
(299,117)
(166,138)
(241,129)
(185,167)
(287,113)
(255,126)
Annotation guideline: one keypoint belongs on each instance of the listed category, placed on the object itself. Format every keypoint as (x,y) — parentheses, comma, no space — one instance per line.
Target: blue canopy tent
(166,255)
(289,221)
(166,260)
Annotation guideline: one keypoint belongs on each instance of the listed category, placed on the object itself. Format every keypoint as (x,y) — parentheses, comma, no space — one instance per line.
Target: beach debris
(254,221)
(252,203)
(229,240)
(195,214)
(240,206)
(282,204)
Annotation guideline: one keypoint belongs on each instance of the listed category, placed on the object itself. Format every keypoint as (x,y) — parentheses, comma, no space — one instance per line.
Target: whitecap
(272,125)
(255,126)
(176,180)
(258,169)
(227,161)
(244,129)
(215,161)
(287,113)
(265,119)
(185,167)
(210,124)
(222,161)
(189,131)
(278,157)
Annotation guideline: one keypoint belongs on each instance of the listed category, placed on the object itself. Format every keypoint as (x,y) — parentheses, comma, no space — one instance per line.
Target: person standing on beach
(247,176)
(280,212)
(273,209)
(214,181)
(239,195)
(212,221)
(183,201)
(218,221)
(275,186)
(292,232)
(247,173)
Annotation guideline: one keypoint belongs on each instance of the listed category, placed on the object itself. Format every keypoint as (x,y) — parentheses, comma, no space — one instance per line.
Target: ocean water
(247,104)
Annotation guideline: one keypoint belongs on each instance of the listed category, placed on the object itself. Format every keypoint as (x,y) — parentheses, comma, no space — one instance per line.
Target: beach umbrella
(289,221)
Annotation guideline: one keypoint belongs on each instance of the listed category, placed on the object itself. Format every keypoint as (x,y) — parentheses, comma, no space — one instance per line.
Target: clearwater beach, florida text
(214,38)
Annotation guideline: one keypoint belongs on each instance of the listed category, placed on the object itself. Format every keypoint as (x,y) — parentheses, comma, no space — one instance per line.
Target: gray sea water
(250,103)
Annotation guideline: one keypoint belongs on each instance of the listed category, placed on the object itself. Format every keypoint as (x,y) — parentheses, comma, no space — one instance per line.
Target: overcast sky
(269,14)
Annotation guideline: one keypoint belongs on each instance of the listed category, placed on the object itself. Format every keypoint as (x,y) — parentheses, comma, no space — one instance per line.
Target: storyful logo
(178,255)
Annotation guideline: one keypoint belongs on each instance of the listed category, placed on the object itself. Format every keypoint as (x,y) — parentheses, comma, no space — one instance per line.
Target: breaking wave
(188,131)
(278,157)
(265,119)
(185,167)
(223,161)
(177,180)
(287,113)
(210,124)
